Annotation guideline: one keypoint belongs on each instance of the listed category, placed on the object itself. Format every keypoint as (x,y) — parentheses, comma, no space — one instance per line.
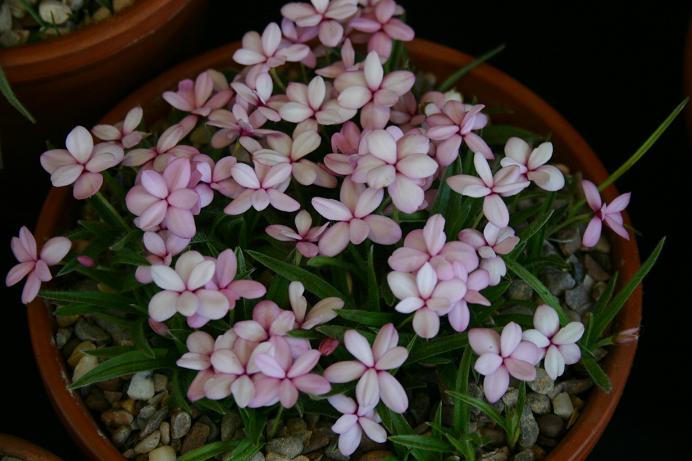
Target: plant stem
(277,80)
(275,425)
(111,211)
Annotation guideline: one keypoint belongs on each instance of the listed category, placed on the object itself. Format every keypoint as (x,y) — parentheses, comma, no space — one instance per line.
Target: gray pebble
(318,439)
(597,290)
(332,452)
(520,291)
(558,281)
(116,418)
(141,386)
(539,403)
(120,435)
(296,426)
(87,331)
(160,382)
(501,454)
(230,423)
(180,424)
(577,268)
(595,270)
(578,298)
(511,396)
(576,386)
(569,240)
(154,421)
(148,443)
(529,428)
(550,425)
(525,455)
(165,430)
(62,336)
(195,438)
(289,447)
(562,405)
(543,383)
(112,396)
(213,428)
(143,416)
(96,400)
(495,437)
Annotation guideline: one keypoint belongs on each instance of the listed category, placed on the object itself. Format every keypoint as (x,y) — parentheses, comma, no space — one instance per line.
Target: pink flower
(268,320)
(558,344)
(320,313)
(398,162)
(184,292)
(236,124)
(532,163)
(166,146)
(347,63)
(456,123)
(405,113)
(358,88)
(345,146)
(162,247)
(304,236)
(492,242)
(284,377)
(233,290)
(258,94)
(459,315)
(611,214)
(294,34)
(284,150)
(312,101)
(506,182)
(263,186)
(425,295)
(196,97)
(124,133)
(266,49)
(371,367)
(82,163)
(32,265)
(354,219)
(323,14)
(215,177)
(384,28)
(501,356)
(165,199)
(355,420)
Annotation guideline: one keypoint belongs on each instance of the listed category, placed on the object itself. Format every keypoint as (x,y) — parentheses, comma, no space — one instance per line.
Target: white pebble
(85,365)
(141,387)
(54,12)
(162,454)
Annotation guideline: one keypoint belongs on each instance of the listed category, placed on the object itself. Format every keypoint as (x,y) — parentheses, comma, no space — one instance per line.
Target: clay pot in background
(21,449)
(487,84)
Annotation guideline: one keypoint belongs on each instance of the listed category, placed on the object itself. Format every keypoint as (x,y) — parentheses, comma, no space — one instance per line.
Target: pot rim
(581,437)
(11,445)
(93,43)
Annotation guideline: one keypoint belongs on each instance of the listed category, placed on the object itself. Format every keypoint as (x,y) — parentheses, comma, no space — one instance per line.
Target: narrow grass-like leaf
(328,261)
(105,210)
(139,337)
(537,286)
(420,442)
(596,372)
(397,424)
(209,451)
(437,346)
(601,303)
(484,407)
(461,414)
(373,319)
(125,364)
(373,287)
(8,93)
(499,134)
(454,78)
(94,298)
(108,352)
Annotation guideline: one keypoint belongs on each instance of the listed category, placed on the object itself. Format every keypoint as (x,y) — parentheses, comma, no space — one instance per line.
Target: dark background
(614,69)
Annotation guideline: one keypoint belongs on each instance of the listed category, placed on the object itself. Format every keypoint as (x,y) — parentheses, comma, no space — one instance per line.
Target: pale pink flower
(268,320)
(345,146)
(294,34)
(165,199)
(434,101)
(81,163)
(459,315)
(184,292)
(312,101)
(507,181)
(427,296)
(320,313)
(371,369)
(558,344)
(233,290)
(328,346)
(384,27)
(358,88)
(611,214)
(266,49)
(501,356)
(286,150)
(405,113)
(532,163)
(325,15)
(196,97)
(284,376)
(456,123)
(347,63)
(215,177)
(355,420)
(492,242)
(257,94)
(162,246)
(32,265)
(398,162)
(123,133)
(304,236)
(166,144)
(86,261)
(264,186)
(354,219)
(236,123)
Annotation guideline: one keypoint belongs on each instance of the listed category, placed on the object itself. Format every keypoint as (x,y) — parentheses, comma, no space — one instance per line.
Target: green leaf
(596,372)
(304,334)
(108,352)
(313,283)
(244,451)
(209,451)
(105,210)
(397,424)
(420,442)
(94,298)
(537,286)
(328,261)
(6,90)
(125,364)
(604,317)
(499,134)
(454,78)
(373,319)
(437,346)
(484,407)
(644,148)
(373,287)
(461,415)
(601,303)
(140,339)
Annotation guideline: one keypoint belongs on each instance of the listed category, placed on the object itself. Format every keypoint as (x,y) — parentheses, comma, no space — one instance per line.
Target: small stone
(562,405)
(195,438)
(87,331)
(569,240)
(511,396)
(520,291)
(576,386)
(558,281)
(289,447)
(495,438)
(213,428)
(114,385)
(180,424)
(271,456)
(154,421)
(65,321)
(525,455)
(157,399)
(529,428)
(129,453)
(54,12)
(296,426)
(148,443)
(116,418)
(85,365)
(162,454)
(96,400)
(501,454)
(539,403)
(119,5)
(578,298)
(141,386)
(78,352)
(120,435)
(595,270)
(165,430)
(143,416)
(101,14)
(543,383)
(62,336)
(550,425)
(376,455)
(598,289)
(230,423)
(318,439)
(332,452)
(128,405)
(538,452)
(160,382)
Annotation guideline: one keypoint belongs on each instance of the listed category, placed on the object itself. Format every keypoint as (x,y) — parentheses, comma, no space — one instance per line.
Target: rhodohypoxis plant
(288,238)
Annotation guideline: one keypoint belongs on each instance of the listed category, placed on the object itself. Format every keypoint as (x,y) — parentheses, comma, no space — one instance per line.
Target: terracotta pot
(96,65)
(19,448)
(490,86)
